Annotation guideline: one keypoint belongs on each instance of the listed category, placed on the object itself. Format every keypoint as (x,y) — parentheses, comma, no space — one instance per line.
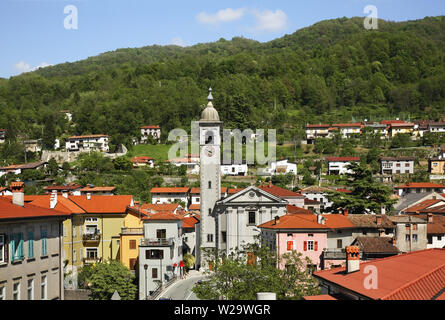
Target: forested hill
(335,70)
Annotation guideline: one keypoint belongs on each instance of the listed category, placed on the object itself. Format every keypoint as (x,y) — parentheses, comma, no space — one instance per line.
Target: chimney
(383,210)
(277,220)
(430,218)
(88,196)
(18,193)
(65,194)
(53,200)
(345,212)
(320,219)
(270,183)
(352,259)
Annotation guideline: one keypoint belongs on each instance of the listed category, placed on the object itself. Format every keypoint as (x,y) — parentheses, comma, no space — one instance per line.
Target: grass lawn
(158,152)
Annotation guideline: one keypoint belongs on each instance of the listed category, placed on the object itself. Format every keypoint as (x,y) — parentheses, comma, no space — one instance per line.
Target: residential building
(436,165)
(189,234)
(435,229)
(293,198)
(318,194)
(95,142)
(235,169)
(192,165)
(314,131)
(412,199)
(170,195)
(153,131)
(32,145)
(417,275)
(161,207)
(65,190)
(410,233)
(160,251)
(436,127)
(20,168)
(195,198)
(339,165)
(130,237)
(379,129)
(31,249)
(348,129)
(93,190)
(5,191)
(399,165)
(419,187)
(143,162)
(282,167)
(397,128)
(376,247)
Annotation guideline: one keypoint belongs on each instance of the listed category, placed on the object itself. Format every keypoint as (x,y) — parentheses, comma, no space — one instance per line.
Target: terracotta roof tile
(8,210)
(377,245)
(170,190)
(420,185)
(280,192)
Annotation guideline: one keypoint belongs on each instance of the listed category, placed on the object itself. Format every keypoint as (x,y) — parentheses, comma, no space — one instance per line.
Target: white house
(347,129)
(143,162)
(19,168)
(154,131)
(93,142)
(319,194)
(314,131)
(192,165)
(436,127)
(338,165)
(169,195)
(400,165)
(380,129)
(160,252)
(282,167)
(419,187)
(235,169)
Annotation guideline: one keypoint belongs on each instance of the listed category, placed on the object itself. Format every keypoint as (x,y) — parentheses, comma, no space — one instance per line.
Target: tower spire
(210,97)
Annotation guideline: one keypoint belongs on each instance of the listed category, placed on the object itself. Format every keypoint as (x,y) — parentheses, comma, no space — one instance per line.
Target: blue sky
(33,33)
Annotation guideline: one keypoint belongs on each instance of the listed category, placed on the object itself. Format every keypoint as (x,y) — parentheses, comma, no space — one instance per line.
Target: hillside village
(70,227)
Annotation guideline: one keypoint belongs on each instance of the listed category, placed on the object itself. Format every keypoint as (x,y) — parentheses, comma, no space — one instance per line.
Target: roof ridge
(413,281)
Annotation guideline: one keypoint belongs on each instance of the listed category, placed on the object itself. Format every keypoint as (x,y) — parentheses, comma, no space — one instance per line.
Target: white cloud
(270,21)
(22,67)
(225,15)
(178,41)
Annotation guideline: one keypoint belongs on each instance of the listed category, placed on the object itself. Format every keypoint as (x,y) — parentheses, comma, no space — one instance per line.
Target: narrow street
(182,289)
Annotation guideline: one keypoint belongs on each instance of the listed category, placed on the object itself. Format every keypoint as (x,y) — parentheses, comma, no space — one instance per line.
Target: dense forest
(335,70)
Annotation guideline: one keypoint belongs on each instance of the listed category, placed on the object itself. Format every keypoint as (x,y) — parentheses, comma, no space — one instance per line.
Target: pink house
(303,233)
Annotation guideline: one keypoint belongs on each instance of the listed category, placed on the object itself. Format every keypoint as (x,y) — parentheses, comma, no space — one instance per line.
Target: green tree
(189,261)
(253,269)
(108,277)
(122,163)
(367,196)
(49,133)
(53,167)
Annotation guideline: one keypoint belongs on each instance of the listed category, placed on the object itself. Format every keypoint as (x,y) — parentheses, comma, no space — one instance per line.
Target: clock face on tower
(209,152)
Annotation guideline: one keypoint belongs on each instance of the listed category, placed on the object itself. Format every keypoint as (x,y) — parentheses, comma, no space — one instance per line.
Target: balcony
(91,260)
(91,237)
(132,231)
(157,242)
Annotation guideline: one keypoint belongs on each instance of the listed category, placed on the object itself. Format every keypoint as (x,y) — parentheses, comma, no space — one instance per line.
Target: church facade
(230,222)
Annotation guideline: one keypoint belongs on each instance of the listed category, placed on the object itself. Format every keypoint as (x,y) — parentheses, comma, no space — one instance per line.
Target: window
(30,245)
(2,293)
(74,232)
(224,236)
(406,165)
(91,220)
(414,237)
(31,289)
(161,233)
(197,200)
(16,291)
(210,184)
(339,243)
(210,212)
(209,137)
(290,245)
(43,241)
(132,244)
(290,235)
(439,238)
(407,227)
(154,254)
(2,248)
(74,256)
(132,264)
(154,273)
(309,245)
(17,247)
(210,238)
(415,227)
(43,288)
(407,238)
(252,218)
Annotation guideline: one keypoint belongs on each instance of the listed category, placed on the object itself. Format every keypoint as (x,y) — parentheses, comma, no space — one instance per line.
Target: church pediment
(252,194)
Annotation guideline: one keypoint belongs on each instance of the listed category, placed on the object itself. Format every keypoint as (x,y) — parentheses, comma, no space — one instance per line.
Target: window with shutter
(2,248)
(12,246)
(43,240)
(21,246)
(316,246)
(132,244)
(305,246)
(30,245)
(290,245)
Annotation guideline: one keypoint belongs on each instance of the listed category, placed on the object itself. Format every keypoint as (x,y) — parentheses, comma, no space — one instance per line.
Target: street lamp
(145,267)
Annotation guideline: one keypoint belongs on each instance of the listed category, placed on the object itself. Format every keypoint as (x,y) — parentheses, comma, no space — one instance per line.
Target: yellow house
(131,234)
(436,165)
(92,234)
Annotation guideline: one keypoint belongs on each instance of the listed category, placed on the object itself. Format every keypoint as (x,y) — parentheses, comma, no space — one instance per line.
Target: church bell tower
(210,176)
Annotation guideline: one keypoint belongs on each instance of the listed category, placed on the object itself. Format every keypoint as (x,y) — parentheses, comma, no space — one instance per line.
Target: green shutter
(44,253)
(21,246)
(30,244)
(12,246)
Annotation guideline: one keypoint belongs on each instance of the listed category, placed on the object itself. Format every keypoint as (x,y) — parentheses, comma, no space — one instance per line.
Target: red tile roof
(170,190)
(344,190)
(91,136)
(195,207)
(98,189)
(438,225)
(291,209)
(8,210)
(420,185)
(164,215)
(158,207)
(309,201)
(235,190)
(402,124)
(198,190)
(391,121)
(103,204)
(189,222)
(151,127)
(142,159)
(280,192)
(317,126)
(422,205)
(343,159)
(347,125)
(319,297)
(62,188)
(418,275)
(309,221)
